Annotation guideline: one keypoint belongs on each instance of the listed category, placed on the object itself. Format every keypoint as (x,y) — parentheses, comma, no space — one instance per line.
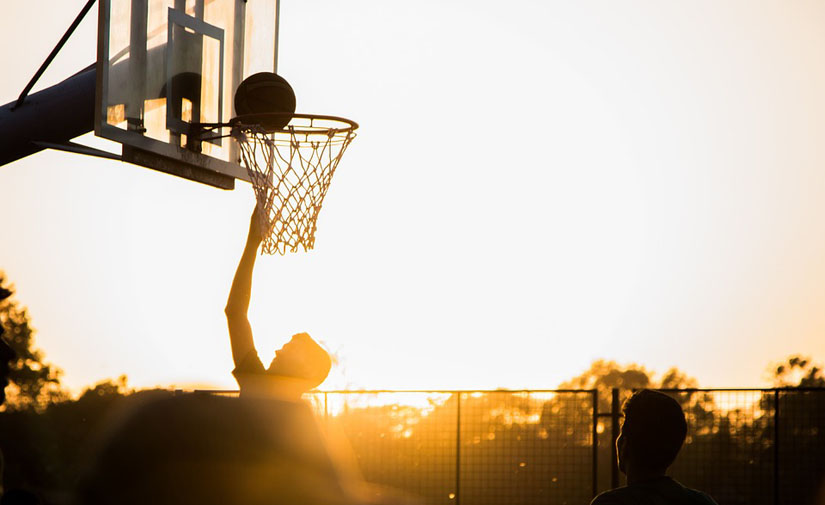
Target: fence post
(776,446)
(614,459)
(458,449)
(595,441)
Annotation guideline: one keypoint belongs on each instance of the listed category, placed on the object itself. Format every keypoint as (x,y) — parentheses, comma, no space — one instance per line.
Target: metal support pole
(595,442)
(458,450)
(776,447)
(614,458)
(54,52)
(54,115)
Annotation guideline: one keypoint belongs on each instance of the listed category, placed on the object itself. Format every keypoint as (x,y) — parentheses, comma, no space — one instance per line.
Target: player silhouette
(298,366)
(653,431)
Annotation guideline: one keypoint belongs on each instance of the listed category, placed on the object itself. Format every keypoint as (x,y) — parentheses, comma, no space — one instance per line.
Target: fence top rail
(523,391)
(455,391)
(733,390)
(435,391)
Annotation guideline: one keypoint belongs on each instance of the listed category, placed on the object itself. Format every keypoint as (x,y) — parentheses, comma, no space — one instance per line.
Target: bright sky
(535,184)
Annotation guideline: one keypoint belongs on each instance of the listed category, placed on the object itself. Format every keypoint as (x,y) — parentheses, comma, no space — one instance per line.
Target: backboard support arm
(57,48)
(73,147)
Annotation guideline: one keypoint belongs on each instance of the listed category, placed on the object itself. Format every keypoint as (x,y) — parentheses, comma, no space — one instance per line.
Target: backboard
(165,64)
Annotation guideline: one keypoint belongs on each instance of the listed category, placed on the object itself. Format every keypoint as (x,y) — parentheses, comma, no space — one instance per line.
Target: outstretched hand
(255,225)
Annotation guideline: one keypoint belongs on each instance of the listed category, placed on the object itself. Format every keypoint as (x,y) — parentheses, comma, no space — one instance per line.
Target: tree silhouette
(799,437)
(44,449)
(798,371)
(33,382)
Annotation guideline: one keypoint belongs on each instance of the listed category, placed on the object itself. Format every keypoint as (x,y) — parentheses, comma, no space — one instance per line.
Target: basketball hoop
(290,170)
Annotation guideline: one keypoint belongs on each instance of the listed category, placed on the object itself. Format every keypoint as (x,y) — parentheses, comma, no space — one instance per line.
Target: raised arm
(240,331)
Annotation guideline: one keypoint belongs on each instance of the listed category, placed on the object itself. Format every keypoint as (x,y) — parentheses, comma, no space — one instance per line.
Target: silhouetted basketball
(266,92)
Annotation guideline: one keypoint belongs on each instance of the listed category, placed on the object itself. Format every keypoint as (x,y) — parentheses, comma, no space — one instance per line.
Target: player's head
(654,430)
(302,358)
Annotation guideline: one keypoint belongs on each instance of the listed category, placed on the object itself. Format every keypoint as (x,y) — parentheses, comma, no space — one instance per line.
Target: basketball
(266,92)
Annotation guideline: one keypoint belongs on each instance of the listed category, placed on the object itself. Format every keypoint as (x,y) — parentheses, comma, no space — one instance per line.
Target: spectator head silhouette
(7,354)
(652,434)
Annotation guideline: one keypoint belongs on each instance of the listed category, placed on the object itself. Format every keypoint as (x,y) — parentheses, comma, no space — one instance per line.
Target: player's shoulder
(693,496)
(699,498)
(660,491)
(618,496)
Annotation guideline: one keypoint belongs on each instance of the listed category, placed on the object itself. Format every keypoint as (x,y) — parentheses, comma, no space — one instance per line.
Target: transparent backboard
(166,64)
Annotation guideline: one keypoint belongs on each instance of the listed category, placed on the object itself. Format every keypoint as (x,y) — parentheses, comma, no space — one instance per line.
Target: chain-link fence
(729,451)
(754,446)
(406,441)
(479,447)
(800,439)
(744,446)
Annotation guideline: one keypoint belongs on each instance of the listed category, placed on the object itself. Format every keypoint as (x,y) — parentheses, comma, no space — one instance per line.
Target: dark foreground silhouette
(207,450)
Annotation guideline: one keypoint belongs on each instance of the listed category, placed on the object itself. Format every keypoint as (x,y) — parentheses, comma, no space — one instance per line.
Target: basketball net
(291,170)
